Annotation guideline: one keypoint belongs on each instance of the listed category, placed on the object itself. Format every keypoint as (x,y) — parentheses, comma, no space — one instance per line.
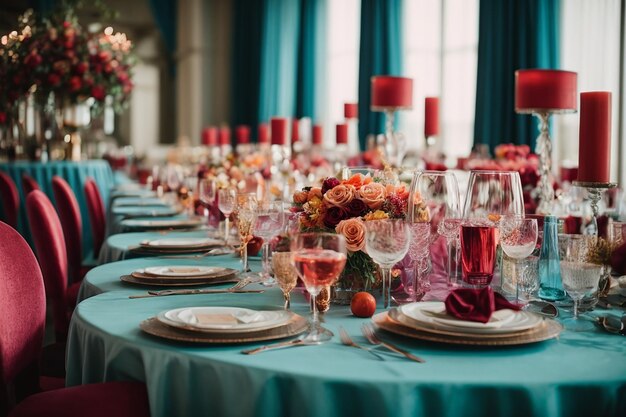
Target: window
(441,44)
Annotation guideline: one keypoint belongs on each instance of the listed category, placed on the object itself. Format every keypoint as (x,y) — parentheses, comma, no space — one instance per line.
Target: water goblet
(285,273)
(270,221)
(207,191)
(492,194)
(226,203)
(247,207)
(518,239)
(387,242)
(319,259)
(528,279)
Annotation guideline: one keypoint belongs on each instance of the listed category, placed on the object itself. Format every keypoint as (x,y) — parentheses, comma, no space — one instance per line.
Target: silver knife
(186,292)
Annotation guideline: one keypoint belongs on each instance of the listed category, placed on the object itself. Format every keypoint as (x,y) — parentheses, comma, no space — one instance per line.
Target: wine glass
(319,259)
(419,255)
(226,200)
(247,206)
(285,274)
(492,194)
(387,242)
(580,278)
(518,239)
(270,221)
(207,191)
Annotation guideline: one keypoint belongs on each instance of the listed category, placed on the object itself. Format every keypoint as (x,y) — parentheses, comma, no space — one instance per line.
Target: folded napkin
(476,305)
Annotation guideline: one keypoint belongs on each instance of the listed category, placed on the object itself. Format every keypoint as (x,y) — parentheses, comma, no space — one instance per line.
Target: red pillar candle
(318,135)
(209,136)
(342,133)
(351,110)
(279,130)
(225,136)
(547,90)
(594,152)
(295,131)
(264,133)
(431,116)
(391,93)
(242,134)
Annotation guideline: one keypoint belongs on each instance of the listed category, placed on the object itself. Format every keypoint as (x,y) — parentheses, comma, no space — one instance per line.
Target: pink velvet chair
(10,199)
(71,220)
(22,325)
(95,207)
(50,247)
(29,184)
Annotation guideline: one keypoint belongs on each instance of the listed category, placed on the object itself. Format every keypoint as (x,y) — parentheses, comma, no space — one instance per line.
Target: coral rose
(300,197)
(340,195)
(354,232)
(315,192)
(373,195)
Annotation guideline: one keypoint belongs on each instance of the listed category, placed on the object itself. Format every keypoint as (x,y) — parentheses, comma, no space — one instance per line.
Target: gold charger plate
(156,282)
(154,327)
(226,272)
(549,329)
(178,251)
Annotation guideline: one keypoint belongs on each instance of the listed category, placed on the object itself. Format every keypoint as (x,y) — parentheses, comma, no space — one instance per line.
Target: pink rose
(354,232)
(340,195)
(373,194)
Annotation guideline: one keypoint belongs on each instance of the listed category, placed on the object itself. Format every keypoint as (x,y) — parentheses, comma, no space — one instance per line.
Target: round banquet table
(579,374)
(75,173)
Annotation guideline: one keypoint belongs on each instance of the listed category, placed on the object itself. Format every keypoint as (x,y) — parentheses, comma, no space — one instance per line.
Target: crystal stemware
(518,239)
(319,259)
(226,201)
(492,194)
(207,192)
(270,221)
(247,206)
(387,242)
(285,273)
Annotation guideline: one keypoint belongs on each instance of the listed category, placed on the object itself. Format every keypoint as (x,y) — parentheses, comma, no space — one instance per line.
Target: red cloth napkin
(476,305)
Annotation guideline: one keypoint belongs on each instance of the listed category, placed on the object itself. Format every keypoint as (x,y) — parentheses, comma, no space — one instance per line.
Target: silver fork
(370,334)
(216,251)
(238,286)
(347,340)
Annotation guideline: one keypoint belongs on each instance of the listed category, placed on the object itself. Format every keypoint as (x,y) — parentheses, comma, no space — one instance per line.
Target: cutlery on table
(370,334)
(281,345)
(212,252)
(186,292)
(347,340)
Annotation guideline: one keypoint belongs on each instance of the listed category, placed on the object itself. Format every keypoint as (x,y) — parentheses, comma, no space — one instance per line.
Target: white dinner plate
(162,224)
(433,315)
(183,270)
(224,319)
(180,242)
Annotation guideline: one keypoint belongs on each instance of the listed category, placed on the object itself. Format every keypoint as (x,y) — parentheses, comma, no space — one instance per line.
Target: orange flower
(300,197)
(315,192)
(356,181)
(340,195)
(373,194)
(354,232)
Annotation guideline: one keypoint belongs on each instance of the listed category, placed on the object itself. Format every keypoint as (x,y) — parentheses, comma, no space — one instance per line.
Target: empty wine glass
(492,194)
(387,242)
(207,191)
(528,278)
(226,200)
(247,206)
(270,221)
(419,251)
(580,278)
(518,239)
(319,259)
(285,273)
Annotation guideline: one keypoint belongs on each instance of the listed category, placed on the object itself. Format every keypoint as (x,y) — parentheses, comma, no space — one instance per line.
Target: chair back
(72,223)
(50,248)
(10,199)
(29,184)
(22,305)
(95,207)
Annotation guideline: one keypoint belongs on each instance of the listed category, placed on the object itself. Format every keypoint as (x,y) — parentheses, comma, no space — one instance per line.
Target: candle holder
(543,148)
(595,190)
(395,145)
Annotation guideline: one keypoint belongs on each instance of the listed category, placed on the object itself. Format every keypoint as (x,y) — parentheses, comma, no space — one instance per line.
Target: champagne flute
(387,242)
(285,274)
(518,239)
(247,206)
(207,191)
(270,221)
(226,203)
(318,259)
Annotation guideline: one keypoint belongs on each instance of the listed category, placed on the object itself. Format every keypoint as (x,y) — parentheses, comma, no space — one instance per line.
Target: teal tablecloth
(580,374)
(75,173)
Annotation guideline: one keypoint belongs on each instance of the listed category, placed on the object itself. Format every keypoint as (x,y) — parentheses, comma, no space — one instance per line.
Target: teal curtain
(311,80)
(247,35)
(513,34)
(165,13)
(380,53)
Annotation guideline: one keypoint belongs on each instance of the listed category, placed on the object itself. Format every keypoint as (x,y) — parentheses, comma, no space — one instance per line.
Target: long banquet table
(579,374)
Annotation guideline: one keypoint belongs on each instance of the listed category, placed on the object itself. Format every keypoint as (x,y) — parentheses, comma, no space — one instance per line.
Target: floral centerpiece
(343,207)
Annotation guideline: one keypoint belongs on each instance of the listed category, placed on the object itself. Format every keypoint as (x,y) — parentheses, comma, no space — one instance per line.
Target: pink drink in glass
(319,267)
(478,254)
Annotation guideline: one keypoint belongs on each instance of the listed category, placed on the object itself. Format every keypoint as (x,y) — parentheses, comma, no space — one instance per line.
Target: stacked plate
(178,245)
(224,324)
(180,276)
(429,321)
(159,224)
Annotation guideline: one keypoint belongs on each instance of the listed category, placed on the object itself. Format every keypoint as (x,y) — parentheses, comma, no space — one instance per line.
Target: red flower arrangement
(343,207)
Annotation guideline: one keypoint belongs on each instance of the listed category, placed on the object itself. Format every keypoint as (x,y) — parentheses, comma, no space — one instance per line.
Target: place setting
(189,223)
(180,276)
(180,245)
